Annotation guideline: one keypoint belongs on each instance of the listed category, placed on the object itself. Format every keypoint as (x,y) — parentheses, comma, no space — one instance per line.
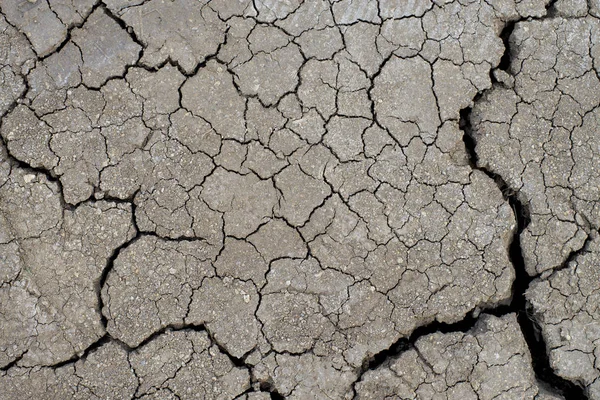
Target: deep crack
(224,191)
(519,305)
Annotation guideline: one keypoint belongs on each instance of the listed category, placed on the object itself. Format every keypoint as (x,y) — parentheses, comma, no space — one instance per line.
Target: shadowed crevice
(268,387)
(519,304)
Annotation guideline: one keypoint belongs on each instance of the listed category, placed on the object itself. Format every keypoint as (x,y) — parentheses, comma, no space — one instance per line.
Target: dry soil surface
(300,199)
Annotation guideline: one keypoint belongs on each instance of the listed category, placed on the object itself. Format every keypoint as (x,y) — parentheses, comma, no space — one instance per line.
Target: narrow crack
(125,28)
(13,362)
(50,177)
(169,328)
(114,255)
(406,343)
(518,303)
(70,29)
(106,271)
(83,355)
(576,253)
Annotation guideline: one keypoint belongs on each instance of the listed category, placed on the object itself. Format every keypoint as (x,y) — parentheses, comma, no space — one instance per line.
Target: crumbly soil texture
(300,199)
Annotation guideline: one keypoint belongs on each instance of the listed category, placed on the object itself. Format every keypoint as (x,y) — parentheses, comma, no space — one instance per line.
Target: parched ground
(300,199)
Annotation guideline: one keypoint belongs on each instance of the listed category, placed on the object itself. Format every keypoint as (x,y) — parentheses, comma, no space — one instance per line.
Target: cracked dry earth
(317,199)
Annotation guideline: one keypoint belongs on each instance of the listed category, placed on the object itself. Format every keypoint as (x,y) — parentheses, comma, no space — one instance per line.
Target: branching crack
(519,304)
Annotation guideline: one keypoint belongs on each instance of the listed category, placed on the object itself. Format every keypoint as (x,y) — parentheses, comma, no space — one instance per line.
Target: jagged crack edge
(519,305)
(530,329)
